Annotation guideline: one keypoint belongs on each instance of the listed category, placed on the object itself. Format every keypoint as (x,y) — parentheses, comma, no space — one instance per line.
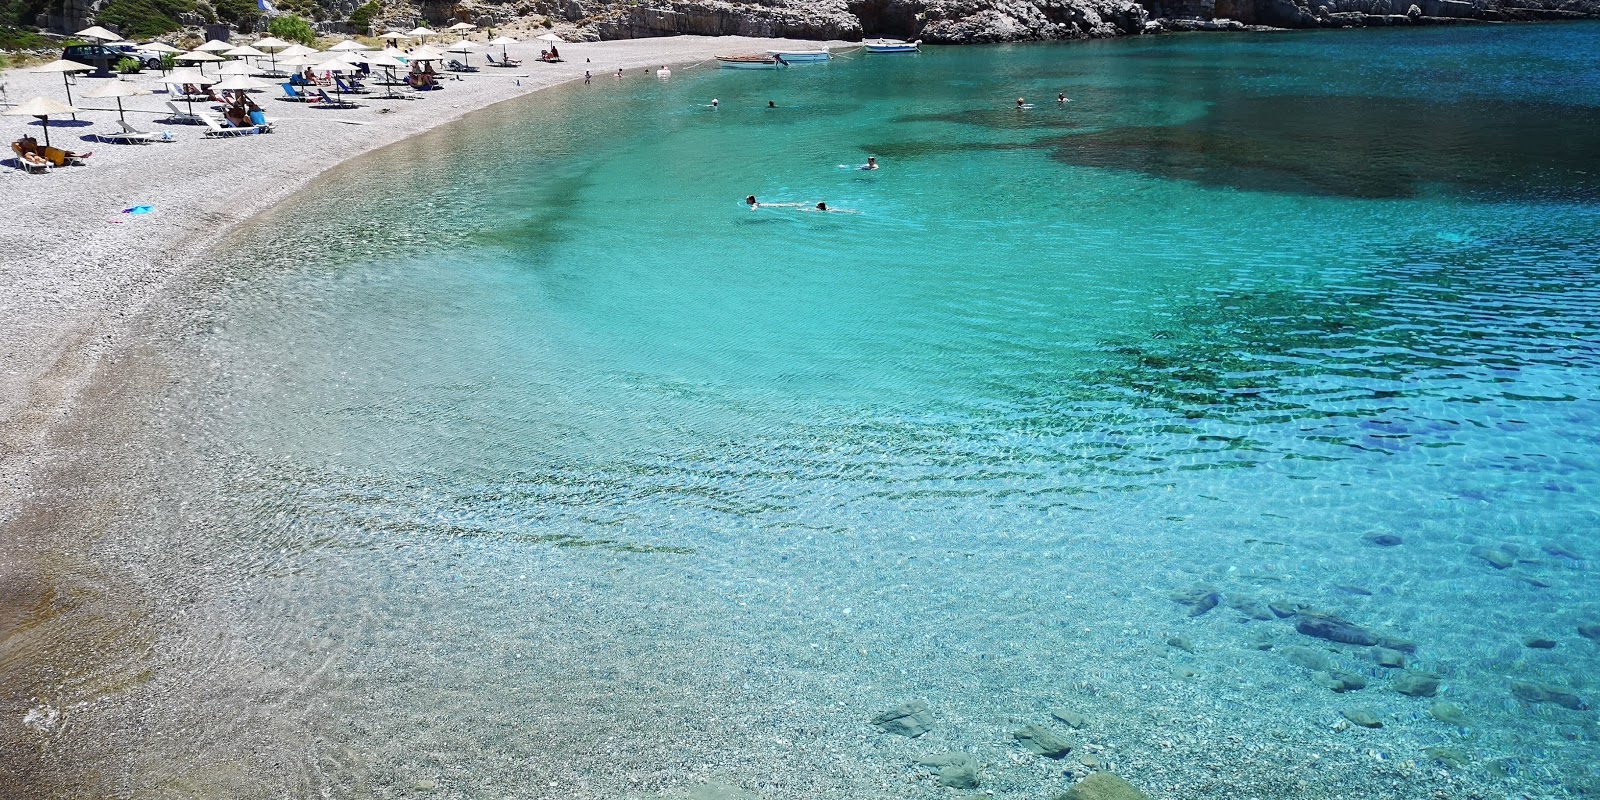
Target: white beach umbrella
(465,48)
(44,108)
(214,46)
(244,51)
(462,26)
(99,34)
(348,45)
(398,55)
(197,57)
(66,68)
(271,44)
(160,47)
(297,50)
(388,65)
(422,33)
(241,83)
(119,89)
(551,38)
(179,77)
(425,53)
(235,68)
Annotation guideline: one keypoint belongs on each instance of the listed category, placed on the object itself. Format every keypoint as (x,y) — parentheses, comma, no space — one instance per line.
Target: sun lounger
(180,116)
(65,158)
(217,128)
(352,87)
(457,66)
(28,160)
(324,100)
(293,94)
(132,135)
(503,62)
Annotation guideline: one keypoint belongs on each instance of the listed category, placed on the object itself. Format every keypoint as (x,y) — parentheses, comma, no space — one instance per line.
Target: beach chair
(293,94)
(457,66)
(353,86)
(217,128)
(502,62)
(30,161)
(65,158)
(180,116)
(132,135)
(325,100)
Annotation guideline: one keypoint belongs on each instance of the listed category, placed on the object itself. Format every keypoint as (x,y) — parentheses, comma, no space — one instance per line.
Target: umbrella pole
(67,82)
(120,118)
(46,120)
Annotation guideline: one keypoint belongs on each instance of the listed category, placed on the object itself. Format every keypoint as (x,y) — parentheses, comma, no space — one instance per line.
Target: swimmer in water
(750,200)
(872,163)
(714,103)
(822,206)
(1061,97)
(1021,104)
(619,73)
(771,104)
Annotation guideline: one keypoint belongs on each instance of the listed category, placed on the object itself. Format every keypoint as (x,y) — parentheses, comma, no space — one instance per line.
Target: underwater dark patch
(1365,148)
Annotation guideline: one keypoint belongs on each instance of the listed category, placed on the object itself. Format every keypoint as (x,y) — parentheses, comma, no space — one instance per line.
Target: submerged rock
(1251,607)
(1334,629)
(1447,755)
(1365,719)
(1589,632)
(1308,657)
(1199,601)
(1393,659)
(908,719)
(1543,693)
(1415,683)
(1041,741)
(1539,643)
(1448,713)
(1561,552)
(1102,786)
(1382,539)
(956,770)
(1181,643)
(1070,718)
(1499,559)
(1342,682)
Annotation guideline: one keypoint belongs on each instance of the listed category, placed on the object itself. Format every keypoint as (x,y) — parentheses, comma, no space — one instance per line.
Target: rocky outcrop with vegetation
(934,21)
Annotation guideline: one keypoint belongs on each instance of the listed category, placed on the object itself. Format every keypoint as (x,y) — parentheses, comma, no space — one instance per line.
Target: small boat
(801,56)
(749,62)
(891,45)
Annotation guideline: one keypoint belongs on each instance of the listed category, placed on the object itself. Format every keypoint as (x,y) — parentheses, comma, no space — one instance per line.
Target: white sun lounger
(215,128)
(181,116)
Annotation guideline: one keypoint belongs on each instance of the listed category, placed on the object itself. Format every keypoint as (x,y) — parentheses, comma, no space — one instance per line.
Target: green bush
(291,28)
(236,11)
(169,61)
(361,18)
(142,19)
(17,39)
(128,65)
(20,12)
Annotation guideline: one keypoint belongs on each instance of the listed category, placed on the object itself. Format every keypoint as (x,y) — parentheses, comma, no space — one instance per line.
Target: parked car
(149,59)
(95,55)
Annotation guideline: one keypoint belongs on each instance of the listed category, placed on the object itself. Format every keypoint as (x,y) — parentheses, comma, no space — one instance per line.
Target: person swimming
(872,163)
(715,103)
(822,206)
(1061,97)
(771,104)
(750,200)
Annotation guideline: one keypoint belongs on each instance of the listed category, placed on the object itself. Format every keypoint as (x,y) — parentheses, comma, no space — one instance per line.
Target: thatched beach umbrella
(425,53)
(214,46)
(241,83)
(244,51)
(66,68)
(460,29)
(297,50)
(503,41)
(348,46)
(99,34)
(465,48)
(551,38)
(271,45)
(198,57)
(164,49)
(118,89)
(235,68)
(388,65)
(422,33)
(179,77)
(44,108)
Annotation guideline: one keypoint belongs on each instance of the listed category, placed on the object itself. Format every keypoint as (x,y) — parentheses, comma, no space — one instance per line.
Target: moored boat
(801,56)
(749,62)
(891,45)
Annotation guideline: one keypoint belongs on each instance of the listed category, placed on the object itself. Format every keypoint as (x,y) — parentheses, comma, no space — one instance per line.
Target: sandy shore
(74,268)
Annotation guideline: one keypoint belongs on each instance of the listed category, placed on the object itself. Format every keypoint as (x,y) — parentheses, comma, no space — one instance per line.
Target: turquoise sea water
(535,464)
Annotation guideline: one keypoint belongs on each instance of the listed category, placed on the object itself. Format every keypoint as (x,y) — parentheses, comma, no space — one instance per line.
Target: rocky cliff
(933,21)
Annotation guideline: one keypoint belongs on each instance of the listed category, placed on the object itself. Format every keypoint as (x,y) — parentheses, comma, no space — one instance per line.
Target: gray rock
(1342,682)
(1393,659)
(1199,601)
(1499,559)
(1041,741)
(1284,609)
(1102,786)
(1414,683)
(1539,643)
(1181,643)
(1365,719)
(1449,756)
(956,770)
(1334,629)
(1251,607)
(1589,632)
(1308,657)
(1561,552)
(1070,718)
(1382,540)
(1544,693)
(908,719)
(1448,713)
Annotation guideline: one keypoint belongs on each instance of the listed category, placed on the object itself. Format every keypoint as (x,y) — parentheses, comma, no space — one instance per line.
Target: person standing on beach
(586,76)
(619,73)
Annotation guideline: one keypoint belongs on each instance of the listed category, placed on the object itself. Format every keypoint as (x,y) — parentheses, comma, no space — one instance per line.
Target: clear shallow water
(534,464)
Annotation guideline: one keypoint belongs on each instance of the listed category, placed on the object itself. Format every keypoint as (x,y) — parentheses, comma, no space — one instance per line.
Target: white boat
(801,56)
(749,62)
(891,45)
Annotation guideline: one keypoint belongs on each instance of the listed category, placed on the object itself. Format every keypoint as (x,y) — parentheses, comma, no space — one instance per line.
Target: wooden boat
(891,45)
(749,62)
(801,56)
